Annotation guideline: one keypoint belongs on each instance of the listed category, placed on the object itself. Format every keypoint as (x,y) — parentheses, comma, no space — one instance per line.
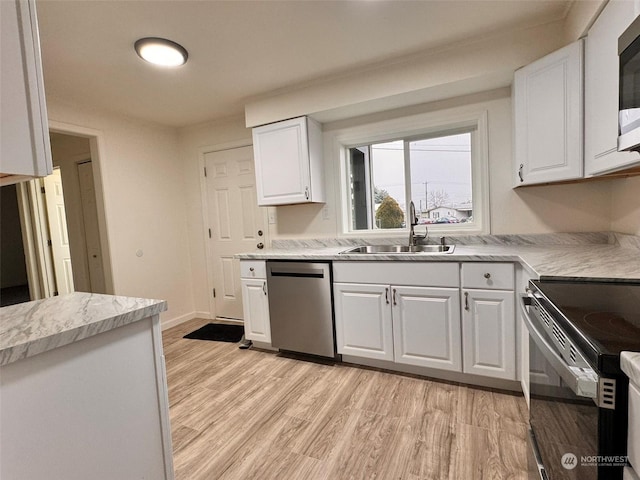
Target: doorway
(62,219)
(14,284)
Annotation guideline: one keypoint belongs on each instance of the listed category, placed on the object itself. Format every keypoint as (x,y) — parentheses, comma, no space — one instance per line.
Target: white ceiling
(243,49)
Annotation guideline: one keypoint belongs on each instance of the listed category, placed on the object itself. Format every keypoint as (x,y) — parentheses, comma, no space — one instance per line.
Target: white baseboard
(172,322)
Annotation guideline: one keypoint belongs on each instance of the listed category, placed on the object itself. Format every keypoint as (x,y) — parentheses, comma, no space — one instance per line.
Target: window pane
(361,217)
(441,179)
(387,178)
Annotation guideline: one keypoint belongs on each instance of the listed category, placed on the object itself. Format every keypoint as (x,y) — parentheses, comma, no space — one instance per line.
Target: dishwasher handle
(311,273)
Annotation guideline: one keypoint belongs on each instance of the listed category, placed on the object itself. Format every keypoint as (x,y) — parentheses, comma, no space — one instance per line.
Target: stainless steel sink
(373,249)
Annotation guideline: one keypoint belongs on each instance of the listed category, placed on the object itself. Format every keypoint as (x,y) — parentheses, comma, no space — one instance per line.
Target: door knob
(260,245)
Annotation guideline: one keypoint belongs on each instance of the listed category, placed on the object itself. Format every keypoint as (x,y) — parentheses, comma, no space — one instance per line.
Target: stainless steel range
(578,408)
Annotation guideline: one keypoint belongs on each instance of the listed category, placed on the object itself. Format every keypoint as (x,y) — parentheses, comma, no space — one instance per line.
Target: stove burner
(610,326)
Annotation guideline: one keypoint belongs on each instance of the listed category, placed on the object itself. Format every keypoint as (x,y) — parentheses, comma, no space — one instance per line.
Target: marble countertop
(630,364)
(593,262)
(27,329)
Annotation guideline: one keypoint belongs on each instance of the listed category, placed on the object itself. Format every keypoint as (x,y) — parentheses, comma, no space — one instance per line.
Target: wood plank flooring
(250,414)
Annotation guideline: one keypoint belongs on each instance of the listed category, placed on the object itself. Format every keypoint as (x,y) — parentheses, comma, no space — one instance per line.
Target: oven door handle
(582,381)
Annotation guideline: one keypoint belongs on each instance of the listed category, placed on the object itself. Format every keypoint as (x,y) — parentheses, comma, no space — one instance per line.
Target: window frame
(407,129)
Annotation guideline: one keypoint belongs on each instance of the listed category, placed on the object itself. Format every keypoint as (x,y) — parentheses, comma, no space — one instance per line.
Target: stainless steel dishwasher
(300,307)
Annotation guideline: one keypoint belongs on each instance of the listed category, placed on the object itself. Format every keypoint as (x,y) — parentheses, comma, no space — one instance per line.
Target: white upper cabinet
(601,91)
(548,118)
(288,157)
(25,151)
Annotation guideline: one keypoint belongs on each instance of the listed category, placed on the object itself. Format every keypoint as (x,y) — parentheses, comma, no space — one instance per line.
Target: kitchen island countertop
(30,328)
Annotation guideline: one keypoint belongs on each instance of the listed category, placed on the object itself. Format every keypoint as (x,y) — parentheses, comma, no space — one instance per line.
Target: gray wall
(13,271)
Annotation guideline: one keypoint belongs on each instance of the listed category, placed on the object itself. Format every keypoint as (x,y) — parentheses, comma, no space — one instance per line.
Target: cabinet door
(601,91)
(255,303)
(24,134)
(488,333)
(426,327)
(363,320)
(548,118)
(282,162)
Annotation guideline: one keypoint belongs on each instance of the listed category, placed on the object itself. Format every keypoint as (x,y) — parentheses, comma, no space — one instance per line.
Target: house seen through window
(435,173)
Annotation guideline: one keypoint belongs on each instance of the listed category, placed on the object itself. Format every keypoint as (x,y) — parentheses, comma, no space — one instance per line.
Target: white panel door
(363,320)
(256,310)
(236,222)
(548,117)
(426,327)
(59,235)
(488,333)
(91,228)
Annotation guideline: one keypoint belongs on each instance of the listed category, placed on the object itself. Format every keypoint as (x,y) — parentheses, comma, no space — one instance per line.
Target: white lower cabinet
(488,333)
(426,323)
(410,325)
(426,327)
(255,301)
(363,320)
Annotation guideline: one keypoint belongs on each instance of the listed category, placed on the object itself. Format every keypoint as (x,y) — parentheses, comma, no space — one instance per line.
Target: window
(435,171)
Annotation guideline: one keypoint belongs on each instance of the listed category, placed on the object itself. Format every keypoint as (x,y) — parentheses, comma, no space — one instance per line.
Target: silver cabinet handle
(306,192)
(394,297)
(466,301)
(251,269)
(520,172)
(386,295)
(487,275)
(260,245)
(264,287)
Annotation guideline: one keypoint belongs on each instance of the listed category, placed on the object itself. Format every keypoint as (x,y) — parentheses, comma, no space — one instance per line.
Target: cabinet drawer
(253,269)
(493,276)
(634,427)
(433,274)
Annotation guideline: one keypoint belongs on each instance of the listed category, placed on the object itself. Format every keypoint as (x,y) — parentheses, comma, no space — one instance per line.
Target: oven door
(563,414)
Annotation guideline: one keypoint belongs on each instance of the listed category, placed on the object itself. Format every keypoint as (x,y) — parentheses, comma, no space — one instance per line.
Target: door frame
(35,233)
(220,147)
(96,147)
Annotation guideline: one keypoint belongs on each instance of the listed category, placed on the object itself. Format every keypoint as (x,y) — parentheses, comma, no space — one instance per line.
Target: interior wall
(13,270)
(467,67)
(625,206)
(145,208)
(582,207)
(193,141)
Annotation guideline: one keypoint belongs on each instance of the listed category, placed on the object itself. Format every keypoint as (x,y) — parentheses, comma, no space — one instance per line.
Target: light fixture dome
(161,51)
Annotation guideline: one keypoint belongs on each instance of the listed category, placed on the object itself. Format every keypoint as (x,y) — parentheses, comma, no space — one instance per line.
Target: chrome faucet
(413,220)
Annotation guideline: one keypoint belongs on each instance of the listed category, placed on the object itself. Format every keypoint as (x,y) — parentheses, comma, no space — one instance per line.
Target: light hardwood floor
(250,414)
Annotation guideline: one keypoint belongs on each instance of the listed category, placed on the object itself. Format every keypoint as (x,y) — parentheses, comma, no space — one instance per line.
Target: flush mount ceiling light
(161,51)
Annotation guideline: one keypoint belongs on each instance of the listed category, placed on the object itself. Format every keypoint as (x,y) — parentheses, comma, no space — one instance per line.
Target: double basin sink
(416,249)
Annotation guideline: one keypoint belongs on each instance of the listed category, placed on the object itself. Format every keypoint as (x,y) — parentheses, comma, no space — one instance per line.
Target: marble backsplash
(579,238)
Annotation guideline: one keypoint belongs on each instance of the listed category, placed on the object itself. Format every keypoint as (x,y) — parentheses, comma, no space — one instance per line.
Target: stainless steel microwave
(629,111)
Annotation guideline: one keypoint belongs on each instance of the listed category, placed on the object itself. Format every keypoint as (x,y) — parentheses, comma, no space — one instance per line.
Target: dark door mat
(218,332)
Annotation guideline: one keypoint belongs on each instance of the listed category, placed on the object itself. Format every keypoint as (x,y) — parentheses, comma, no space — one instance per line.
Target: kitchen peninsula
(83,390)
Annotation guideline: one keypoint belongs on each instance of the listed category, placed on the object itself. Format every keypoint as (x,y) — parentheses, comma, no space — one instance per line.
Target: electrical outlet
(325,212)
